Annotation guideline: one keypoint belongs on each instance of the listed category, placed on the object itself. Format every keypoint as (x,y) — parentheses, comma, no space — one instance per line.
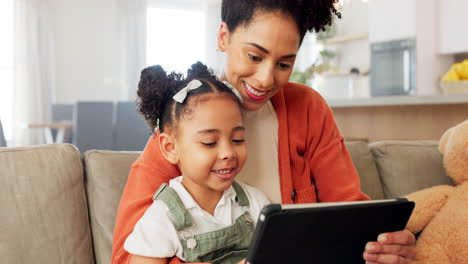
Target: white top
(155,236)
(261,169)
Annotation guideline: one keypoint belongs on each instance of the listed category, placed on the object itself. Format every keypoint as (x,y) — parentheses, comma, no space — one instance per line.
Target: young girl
(203,215)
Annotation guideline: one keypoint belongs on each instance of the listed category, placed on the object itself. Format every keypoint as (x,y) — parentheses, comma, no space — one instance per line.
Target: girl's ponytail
(155,90)
(199,70)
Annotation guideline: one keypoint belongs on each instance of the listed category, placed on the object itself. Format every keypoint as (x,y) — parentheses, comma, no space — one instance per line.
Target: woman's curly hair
(157,87)
(309,15)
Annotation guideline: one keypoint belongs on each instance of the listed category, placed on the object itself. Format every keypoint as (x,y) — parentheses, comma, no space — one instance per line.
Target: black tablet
(331,233)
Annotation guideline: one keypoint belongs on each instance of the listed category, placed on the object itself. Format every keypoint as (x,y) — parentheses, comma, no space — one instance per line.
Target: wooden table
(63,131)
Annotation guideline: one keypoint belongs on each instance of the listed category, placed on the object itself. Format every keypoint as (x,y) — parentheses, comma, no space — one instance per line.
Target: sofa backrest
(43,202)
(106,175)
(366,168)
(406,166)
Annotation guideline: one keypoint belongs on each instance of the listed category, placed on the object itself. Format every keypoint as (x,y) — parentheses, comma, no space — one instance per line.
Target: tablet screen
(332,233)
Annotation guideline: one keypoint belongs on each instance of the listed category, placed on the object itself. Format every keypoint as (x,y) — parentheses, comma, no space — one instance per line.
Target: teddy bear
(441,212)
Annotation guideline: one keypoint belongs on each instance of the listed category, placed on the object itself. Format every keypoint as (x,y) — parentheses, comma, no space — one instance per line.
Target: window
(175,38)
(6,66)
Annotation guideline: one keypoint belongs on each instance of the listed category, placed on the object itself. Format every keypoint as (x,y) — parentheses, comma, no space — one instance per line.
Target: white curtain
(34,70)
(132,19)
(212,9)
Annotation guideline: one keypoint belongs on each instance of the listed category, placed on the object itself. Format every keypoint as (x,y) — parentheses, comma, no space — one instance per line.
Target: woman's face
(259,56)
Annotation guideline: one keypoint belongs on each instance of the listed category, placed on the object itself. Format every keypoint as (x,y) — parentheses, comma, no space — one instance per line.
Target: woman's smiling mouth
(253,93)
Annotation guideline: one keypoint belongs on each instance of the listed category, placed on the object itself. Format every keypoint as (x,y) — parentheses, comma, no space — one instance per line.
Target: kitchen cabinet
(391,20)
(453,26)
(420,20)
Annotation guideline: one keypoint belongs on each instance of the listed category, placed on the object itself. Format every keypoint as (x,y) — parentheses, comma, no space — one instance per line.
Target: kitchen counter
(399,117)
(399,100)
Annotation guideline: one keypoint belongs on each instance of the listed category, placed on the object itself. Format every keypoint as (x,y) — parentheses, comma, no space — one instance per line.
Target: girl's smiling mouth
(225,174)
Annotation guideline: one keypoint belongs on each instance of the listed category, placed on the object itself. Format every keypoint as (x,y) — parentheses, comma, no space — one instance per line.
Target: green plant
(330,31)
(320,66)
(300,77)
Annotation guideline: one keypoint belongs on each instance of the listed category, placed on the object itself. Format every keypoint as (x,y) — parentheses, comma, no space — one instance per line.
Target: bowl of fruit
(455,81)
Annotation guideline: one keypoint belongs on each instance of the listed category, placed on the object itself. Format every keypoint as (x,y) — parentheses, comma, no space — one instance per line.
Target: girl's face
(210,144)
(259,56)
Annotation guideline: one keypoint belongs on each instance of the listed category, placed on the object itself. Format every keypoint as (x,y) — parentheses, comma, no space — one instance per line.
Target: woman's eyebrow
(268,52)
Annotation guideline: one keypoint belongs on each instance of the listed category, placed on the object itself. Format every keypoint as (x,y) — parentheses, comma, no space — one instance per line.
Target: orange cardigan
(310,147)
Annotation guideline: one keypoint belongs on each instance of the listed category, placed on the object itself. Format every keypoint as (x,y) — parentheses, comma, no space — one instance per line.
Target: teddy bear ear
(443,140)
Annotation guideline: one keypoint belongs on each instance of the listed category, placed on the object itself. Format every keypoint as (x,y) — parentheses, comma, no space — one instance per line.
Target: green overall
(225,246)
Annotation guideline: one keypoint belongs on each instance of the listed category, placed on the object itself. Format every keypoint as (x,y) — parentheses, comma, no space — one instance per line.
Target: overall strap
(241,197)
(180,216)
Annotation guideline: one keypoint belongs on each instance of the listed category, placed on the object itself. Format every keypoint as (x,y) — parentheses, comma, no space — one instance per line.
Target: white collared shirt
(154,235)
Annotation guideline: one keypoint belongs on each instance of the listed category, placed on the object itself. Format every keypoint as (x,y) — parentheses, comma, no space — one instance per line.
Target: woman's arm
(336,179)
(145,177)
(391,248)
(134,259)
(335,172)
(341,176)
(331,166)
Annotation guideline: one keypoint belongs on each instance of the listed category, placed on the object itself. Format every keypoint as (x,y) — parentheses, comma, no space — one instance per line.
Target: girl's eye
(238,141)
(254,58)
(284,66)
(209,144)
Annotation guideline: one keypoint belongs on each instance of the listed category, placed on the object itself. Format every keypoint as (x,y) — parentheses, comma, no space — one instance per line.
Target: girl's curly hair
(157,87)
(309,15)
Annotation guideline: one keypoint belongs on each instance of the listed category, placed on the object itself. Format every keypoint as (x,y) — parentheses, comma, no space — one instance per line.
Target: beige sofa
(59,207)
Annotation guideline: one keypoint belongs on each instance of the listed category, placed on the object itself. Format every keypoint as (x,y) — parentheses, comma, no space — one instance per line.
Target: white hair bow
(234,90)
(182,94)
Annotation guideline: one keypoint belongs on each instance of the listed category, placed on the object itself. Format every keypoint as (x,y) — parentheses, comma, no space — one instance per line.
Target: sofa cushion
(44,212)
(106,175)
(408,166)
(365,166)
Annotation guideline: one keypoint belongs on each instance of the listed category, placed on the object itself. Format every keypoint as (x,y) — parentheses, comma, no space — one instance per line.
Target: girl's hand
(391,248)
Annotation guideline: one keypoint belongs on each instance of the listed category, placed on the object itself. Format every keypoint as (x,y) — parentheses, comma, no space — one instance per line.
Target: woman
(296,153)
